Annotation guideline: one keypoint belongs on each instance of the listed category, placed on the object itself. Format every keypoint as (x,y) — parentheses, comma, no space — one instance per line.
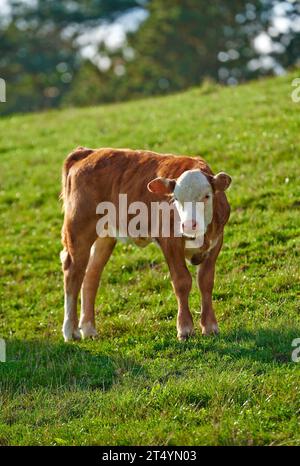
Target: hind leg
(74,260)
(100,253)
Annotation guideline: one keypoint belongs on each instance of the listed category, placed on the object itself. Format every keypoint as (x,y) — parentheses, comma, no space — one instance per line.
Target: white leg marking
(87,330)
(183,332)
(69,329)
(210,329)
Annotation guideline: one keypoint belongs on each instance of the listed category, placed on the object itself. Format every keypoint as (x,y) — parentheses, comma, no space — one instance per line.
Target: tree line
(179,44)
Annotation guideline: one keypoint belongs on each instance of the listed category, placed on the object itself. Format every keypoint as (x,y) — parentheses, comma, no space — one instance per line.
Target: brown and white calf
(94,176)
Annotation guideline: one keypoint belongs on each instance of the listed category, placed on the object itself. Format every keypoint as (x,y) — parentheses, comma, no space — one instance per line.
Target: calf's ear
(221,181)
(161,186)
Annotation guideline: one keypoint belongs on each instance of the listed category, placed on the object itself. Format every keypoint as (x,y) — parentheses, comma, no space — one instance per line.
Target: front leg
(206,273)
(173,250)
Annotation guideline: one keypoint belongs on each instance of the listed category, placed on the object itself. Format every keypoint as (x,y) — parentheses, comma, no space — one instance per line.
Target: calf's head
(193,195)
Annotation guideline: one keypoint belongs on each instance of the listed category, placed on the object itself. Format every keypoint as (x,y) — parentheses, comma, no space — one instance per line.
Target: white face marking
(192,187)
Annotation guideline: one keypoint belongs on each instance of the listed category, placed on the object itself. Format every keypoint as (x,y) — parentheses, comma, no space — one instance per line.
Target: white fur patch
(213,243)
(63,255)
(69,330)
(192,187)
(87,330)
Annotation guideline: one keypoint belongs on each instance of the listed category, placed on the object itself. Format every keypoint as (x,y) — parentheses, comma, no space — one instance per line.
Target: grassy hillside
(137,384)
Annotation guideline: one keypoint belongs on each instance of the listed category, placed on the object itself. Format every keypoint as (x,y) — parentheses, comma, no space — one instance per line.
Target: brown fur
(78,154)
(93,176)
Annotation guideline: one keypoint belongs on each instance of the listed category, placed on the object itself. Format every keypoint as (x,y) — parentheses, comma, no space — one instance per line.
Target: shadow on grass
(53,365)
(266,345)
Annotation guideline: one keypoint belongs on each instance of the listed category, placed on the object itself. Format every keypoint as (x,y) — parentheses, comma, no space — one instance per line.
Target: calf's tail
(78,154)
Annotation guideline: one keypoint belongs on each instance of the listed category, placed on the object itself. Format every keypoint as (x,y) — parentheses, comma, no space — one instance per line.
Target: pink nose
(190,225)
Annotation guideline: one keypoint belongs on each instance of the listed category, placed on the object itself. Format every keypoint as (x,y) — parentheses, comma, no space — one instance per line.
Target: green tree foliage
(38,53)
(90,86)
(180,43)
(36,74)
(184,41)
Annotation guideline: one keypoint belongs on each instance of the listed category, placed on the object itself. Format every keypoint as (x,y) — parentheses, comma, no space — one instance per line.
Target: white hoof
(69,332)
(88,330)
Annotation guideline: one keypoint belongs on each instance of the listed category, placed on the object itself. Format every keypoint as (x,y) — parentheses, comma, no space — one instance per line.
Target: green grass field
(137,384)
